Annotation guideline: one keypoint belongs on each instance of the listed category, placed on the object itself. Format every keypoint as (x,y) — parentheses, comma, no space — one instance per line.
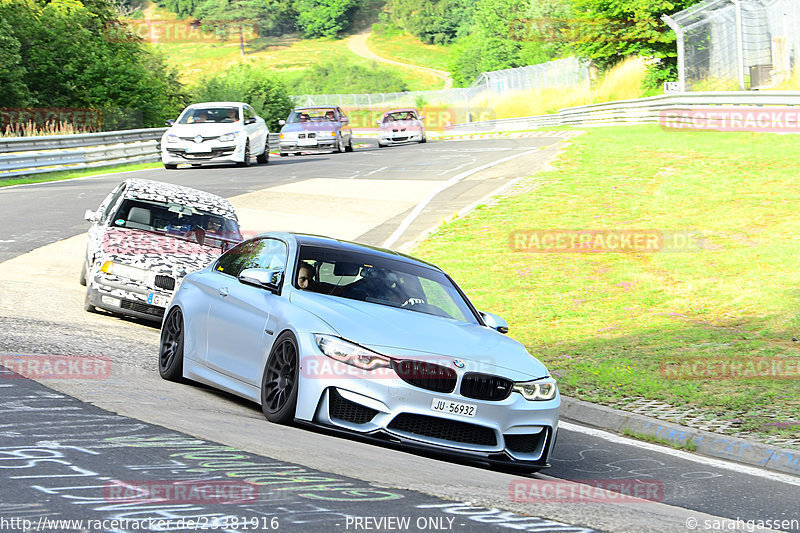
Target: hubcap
(280,376)
(171,339)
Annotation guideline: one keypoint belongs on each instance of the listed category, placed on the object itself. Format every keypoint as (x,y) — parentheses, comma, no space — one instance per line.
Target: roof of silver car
(330,242)
(158,191)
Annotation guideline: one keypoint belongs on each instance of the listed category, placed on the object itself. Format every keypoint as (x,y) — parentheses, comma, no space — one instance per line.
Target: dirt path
(358,44)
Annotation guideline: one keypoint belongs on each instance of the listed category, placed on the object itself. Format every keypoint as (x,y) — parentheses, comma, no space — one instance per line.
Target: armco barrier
(38,155)
(638,111)
(34,155)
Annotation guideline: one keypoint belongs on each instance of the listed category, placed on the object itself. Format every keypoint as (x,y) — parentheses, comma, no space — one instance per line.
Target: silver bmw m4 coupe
(363,340)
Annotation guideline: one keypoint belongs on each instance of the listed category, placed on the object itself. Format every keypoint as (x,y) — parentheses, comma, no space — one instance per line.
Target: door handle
(223,291)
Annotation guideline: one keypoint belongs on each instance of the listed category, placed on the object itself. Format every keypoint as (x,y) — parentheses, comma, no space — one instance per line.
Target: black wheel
(424,139)
(87,303)
(279,384)
(196,165)
(381,145)
(246,161)
(298,153)
(170,166)
(349,147)
(84,270)
(340,144)
(263,158)
(170,353)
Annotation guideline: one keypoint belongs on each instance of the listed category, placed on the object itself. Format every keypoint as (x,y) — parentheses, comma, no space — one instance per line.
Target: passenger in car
(305,277)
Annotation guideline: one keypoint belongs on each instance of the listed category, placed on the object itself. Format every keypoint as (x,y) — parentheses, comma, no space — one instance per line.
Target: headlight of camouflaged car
(172,138)
(124,271)
(350,353)
(227,137)
(537,390)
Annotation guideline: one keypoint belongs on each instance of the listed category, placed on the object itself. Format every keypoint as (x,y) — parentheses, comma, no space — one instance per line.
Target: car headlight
(124,271)
(227,137)
(172,138)
(543,389)
(351,354)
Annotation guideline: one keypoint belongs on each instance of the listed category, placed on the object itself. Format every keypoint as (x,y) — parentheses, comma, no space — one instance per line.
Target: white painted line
(680,454)
(452,181)
(371,172)
(75,179)
(443,172)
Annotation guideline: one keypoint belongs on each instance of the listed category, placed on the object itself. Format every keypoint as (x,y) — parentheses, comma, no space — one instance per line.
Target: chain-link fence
(468,104)
(736,44)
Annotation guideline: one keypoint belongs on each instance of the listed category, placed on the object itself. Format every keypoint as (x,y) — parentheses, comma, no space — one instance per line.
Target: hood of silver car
(409,334)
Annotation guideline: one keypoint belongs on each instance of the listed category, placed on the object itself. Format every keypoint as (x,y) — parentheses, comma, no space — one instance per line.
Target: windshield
(312,115)
(402,115)
(177,220)
(382,281)
(210,114)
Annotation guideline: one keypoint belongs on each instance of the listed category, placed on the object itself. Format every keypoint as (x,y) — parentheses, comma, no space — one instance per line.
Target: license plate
(157,300)
(454,408)
(197,148)
(307,142)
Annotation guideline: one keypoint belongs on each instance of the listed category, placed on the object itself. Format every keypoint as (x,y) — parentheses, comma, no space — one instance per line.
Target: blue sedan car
(363,340)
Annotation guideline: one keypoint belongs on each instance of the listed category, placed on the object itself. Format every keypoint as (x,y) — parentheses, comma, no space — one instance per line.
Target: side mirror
(170,122)
(422,117)
(494,322)
(90,216)
(281,122)
(263,278)
(378,122)
(251,120)
(344,120)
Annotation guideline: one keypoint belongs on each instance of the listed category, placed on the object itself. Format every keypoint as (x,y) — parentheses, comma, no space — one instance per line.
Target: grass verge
(609,325)
(70,174)
(395,44)
(689,446)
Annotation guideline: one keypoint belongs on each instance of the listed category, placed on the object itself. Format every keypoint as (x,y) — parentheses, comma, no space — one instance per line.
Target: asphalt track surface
(685,487)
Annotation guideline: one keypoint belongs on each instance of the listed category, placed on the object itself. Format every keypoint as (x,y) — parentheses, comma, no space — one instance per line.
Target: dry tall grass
(31,129)
(622,82)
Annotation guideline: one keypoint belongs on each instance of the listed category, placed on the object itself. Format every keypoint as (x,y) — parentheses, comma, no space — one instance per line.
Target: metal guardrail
(37,155)
(638,111)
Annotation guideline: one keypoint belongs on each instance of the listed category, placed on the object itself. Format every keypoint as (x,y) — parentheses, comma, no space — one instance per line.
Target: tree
(606,31)
(324,18)
(13,89)
(233,16)
(244,83)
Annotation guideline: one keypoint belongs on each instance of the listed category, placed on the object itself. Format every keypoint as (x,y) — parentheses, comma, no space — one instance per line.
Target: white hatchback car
(215,132)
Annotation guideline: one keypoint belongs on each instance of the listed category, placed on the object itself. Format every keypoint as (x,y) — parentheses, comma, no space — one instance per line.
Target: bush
(258,87)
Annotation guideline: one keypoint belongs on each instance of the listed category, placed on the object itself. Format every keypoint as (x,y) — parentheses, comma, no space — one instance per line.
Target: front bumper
(513,431)
(118,297)
(206,152)
(398,137)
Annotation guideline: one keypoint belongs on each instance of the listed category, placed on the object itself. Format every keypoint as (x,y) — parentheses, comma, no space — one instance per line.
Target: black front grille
(426,375)
(526,443)
(340,408)
(485,387)
(165,282)
(444,429)
(142,308)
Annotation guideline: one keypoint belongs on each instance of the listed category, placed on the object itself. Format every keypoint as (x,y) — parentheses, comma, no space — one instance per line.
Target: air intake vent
(443,429)
(425,375)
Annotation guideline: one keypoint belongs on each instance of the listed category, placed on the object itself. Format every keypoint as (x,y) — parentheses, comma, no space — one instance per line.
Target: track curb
(744,451)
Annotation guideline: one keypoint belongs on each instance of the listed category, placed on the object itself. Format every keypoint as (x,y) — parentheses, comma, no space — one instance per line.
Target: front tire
(349,147)
(87,303)
(170,353)
(84,270)
(263,158)
(280,381)
(246,160)
(170,166)
(340,144)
